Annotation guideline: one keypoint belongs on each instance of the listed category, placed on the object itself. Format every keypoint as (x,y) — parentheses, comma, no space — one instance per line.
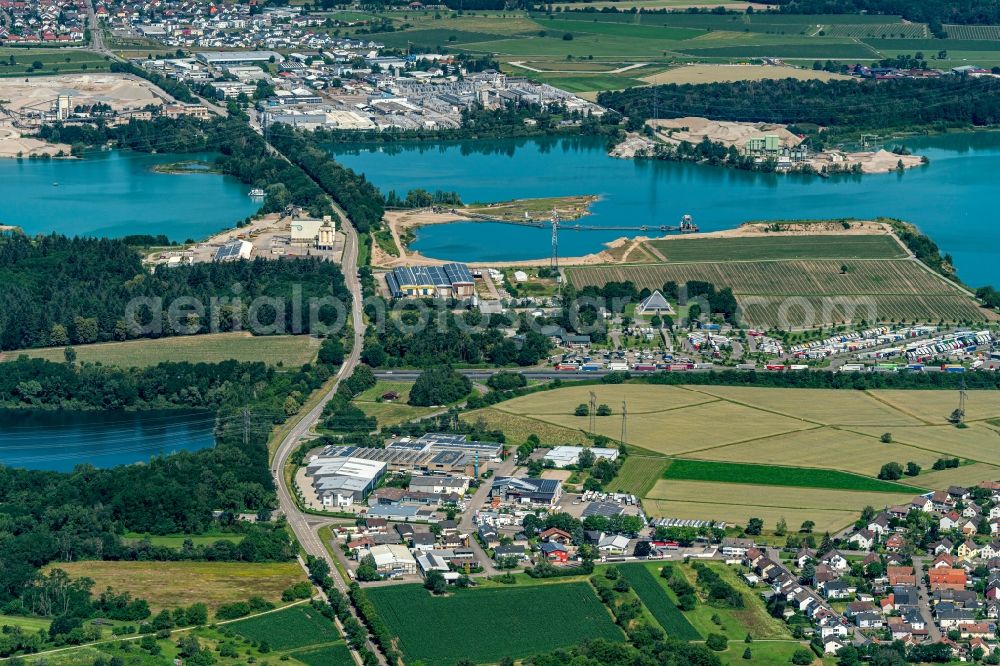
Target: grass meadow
(287,350)
(173,584)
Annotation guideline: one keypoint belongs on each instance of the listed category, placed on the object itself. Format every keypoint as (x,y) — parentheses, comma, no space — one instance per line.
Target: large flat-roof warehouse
(452,280)
(220,58)
(343,481)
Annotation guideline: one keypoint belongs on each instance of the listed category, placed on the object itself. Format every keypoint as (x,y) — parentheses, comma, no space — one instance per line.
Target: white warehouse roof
(561,456)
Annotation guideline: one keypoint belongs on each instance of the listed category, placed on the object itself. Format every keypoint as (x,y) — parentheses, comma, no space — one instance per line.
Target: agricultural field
(716,73)
(22,61)
(659,43)
(173,584)
(291,628)
(517,428)
(774,475)
(639,474)
(290,351)
(842,246)
(826,520)
(784,452)
(513,621)
(738,502)
(321,646)
(973,32)
(825,448)
(877,30)
(806,293)
(978,442)
(644,580)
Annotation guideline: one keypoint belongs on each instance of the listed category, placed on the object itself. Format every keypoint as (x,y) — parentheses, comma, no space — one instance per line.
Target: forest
(443,340)
(98,278)
(844,107)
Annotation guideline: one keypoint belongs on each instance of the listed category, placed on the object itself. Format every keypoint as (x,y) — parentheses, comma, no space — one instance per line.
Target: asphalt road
(304,526)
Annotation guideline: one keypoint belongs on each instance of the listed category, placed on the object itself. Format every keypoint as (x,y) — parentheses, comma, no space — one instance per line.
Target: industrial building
(234,250)
(433,453)
(449,281)
(343,481)
(393,560)
(318,234)
(564,456)
(225,58)
(522,490)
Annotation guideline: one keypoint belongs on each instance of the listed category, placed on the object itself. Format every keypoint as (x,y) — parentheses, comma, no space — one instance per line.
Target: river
(952,199)
(115,193)
(60,440)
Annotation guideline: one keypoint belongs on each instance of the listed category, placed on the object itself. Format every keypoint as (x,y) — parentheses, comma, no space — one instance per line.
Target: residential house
(554,552)
(863,539)
(556,535)
(947,579)
(942,546)
(895,543)
(838,589)
(968,550)
(510,550)
(732,547)
(901,576)
(835,560)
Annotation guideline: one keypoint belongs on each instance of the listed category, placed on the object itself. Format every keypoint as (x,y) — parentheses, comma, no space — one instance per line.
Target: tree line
(845,107)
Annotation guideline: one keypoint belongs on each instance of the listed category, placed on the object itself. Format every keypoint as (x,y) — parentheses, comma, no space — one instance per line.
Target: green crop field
(486,625)
(773,475)
(639,474)
(654,598)
(435,37)
(290,351)
(973,32)
(779,247)
(290,628)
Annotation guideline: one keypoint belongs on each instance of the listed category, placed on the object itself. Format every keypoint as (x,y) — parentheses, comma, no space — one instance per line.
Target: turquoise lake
(60,440)
(114,193)
(953,199)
